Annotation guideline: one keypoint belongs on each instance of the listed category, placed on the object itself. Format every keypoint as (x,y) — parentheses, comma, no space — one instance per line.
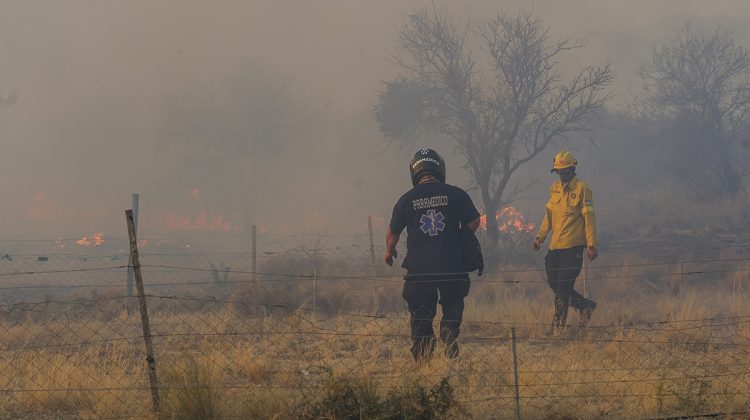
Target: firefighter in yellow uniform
(570,217)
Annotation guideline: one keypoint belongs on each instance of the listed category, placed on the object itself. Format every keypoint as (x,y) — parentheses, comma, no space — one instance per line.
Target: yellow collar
(570,185)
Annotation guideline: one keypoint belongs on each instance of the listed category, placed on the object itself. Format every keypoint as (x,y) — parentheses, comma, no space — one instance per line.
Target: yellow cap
(563,159)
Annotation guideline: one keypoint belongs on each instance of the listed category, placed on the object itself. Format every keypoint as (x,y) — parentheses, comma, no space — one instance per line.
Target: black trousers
(422,294)
(563,267)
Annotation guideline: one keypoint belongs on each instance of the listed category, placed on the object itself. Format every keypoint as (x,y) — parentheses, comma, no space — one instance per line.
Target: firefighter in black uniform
(433,213)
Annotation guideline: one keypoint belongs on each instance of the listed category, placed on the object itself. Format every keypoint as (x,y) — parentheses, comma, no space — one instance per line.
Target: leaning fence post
(129,287)
(515,372)
(144,310)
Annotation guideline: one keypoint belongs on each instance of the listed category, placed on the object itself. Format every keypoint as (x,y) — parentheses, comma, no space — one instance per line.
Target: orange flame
(509,220)
(95,240)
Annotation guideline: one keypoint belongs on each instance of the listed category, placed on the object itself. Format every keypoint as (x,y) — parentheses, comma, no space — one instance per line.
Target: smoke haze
(120,97)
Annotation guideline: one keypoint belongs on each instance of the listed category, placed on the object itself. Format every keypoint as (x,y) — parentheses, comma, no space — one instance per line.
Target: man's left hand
(390,255)
(593,253)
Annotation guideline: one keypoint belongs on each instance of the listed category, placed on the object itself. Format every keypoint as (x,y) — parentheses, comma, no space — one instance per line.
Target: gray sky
(96,78)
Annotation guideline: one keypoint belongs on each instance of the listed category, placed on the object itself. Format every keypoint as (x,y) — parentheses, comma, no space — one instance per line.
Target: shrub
(190,392)
(346,398)
(416,402)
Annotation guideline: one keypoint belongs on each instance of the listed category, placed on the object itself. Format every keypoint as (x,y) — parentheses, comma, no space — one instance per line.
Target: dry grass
(218,359)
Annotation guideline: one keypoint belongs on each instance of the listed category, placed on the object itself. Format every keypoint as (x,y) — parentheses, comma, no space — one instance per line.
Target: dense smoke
(238,113)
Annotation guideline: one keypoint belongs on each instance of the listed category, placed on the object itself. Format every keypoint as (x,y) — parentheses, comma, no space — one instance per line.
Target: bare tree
(501,118)
(698,85)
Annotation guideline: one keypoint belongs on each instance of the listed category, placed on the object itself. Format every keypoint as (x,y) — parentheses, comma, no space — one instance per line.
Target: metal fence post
(144,310)
(515,372)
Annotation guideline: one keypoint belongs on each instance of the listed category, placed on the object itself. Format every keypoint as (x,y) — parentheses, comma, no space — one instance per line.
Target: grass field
(660,344)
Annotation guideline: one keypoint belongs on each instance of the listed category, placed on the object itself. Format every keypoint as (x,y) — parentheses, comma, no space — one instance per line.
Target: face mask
(565,175)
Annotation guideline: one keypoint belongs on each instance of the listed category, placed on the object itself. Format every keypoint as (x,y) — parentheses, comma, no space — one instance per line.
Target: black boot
(561,314)
(585,308)
(422,348)
(451,349)
(448,337)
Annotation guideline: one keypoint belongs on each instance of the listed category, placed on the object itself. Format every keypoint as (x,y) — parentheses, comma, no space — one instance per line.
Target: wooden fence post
(315,280)
(254,266)
(585,275)
(254,250)
(372,246)
(372,264)
(129,285)
(144,310)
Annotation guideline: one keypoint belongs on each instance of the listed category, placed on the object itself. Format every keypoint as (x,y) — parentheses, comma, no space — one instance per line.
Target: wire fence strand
(671,336)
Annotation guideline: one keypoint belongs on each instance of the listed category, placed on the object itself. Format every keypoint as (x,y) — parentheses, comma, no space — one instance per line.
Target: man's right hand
(390,255)
(537,244)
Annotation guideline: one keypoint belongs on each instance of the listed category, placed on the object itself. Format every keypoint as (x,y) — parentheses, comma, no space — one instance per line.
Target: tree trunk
(730,178)
(492,232)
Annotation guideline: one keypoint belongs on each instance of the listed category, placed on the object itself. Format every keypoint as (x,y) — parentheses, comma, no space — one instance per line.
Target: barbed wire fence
(238,342)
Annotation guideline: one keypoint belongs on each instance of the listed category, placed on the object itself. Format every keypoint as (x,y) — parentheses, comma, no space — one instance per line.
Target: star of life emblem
(432,222)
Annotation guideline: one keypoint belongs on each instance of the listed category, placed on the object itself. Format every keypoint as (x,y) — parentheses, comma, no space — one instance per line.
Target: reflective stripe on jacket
(569,215)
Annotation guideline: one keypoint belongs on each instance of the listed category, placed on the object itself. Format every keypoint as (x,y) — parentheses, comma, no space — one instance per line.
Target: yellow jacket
(570,216)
